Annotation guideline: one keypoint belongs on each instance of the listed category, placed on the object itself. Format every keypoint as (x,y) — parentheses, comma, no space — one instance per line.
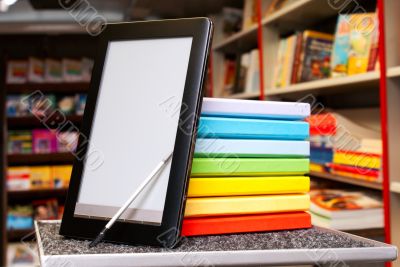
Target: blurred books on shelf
(22,106)
(22,255)
(346,210)
(41,141)
(38,177)
(345,147)
(21,217)
(301,57)
(48,70)
(240,75)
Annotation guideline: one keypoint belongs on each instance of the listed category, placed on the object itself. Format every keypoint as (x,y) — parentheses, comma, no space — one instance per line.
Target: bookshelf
(372,89)
(42,46)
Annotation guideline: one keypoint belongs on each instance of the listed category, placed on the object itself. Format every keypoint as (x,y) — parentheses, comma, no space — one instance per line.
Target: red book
(245,223)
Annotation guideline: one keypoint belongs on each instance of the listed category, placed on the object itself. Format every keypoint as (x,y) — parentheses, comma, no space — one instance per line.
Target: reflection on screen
(132,128)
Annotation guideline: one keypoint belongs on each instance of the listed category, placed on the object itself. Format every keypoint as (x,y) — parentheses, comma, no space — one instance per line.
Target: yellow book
(40,177)
(61,175)
(360,160)
(242,186)
(216,206)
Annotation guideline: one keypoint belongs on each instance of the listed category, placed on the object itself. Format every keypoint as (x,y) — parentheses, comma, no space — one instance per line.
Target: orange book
(245,223)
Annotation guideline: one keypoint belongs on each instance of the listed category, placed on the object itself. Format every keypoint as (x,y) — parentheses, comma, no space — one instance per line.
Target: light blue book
(234,128)
(226,148)
(235,108)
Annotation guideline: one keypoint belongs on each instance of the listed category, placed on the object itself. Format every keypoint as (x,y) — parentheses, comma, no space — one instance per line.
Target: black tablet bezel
(168,233)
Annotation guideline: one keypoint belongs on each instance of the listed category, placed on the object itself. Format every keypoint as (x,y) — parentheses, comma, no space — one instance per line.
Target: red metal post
(384,121)
(260,47)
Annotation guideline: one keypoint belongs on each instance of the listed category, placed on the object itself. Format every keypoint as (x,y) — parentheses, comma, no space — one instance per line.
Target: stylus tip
(98,239)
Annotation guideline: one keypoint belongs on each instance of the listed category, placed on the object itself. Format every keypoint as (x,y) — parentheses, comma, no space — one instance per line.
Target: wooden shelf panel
(31,121)
(81,87)
(28,159)
(347,180)
(36,194)
(20,235)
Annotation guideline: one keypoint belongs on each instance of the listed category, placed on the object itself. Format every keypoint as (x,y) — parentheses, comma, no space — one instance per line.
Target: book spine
(297,58)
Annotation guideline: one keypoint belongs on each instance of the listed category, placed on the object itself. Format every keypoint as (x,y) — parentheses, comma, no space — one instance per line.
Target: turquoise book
(237,128)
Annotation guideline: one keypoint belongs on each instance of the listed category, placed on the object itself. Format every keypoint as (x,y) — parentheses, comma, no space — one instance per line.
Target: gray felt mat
(54,244)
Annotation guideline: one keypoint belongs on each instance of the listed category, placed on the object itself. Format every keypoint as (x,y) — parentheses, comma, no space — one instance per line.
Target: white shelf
(358,81)
(393,72)
(395,187)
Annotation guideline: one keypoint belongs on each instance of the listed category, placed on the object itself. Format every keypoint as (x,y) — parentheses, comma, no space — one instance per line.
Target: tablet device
(143,103)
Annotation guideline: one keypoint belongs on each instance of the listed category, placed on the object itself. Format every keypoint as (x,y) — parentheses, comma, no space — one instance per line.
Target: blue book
(235,108)
(235,128)
(226,148)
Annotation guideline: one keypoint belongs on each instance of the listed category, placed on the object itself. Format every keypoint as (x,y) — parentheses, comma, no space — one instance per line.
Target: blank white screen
(132,129)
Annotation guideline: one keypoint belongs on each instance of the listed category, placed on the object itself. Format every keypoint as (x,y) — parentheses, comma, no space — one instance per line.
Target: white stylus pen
(101,235)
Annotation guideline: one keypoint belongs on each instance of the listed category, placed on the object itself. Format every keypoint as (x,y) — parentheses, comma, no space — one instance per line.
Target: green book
(249,167)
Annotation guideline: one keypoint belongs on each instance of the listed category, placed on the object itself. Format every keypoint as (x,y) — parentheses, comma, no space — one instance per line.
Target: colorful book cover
(374,50)
(279,63)
(316,56)
(41,177)
(342,203)
(35,70)
(321,155)
(297,58)
(80,103)
(245,223)
(72,70)
(17,71)
(15,107)
(46,209)
(44,141)
(213,127)
(19,142)
(246,186)
(241,205)
(288,60)
(43,106)
(202,167)
(341,47)
(18,178)
(250,148)
(354,172)
(357,159)
(66,104)
(87,67)
(362,31)
(67,141)
(235,108)
(53,71)
(19,217)
(61,175)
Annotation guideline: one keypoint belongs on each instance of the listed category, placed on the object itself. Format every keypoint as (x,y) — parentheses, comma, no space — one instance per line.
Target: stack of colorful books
(248,173)
(345,147)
